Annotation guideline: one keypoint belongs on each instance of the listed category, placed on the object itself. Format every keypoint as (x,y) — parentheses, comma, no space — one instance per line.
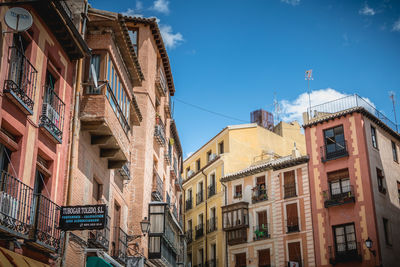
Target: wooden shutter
(240,260)
(291,211)
(294,251)
(262,218)
(289,177)
(261,180)
(340,174)
(264,257)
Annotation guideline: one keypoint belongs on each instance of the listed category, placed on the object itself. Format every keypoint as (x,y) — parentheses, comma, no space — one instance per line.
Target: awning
(9,258)
(97,262)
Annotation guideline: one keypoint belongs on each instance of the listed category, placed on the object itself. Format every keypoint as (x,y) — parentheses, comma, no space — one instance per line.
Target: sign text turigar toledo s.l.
(83,217)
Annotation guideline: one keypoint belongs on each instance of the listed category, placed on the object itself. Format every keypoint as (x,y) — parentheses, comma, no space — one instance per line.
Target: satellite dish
(19,19)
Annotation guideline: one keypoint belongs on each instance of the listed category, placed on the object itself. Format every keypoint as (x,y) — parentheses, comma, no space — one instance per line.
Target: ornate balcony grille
(339,196)
(345,252)
(120,246)
(292,225)
(16,204)
(199,197)
(259,194)
(199,230)
(290,190)
(158,187)
(211,190)
(47,232)
(52,117)
(100,238)
(125,171)
(189,204)
(159,132)
(261,232)
(338,150)
(211,225)
(161,82)
(168,156)
(20,84)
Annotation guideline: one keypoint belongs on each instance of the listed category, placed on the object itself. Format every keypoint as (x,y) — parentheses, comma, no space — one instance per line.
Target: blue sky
(234,56)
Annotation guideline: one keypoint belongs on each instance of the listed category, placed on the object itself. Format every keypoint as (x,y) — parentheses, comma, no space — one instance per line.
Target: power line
(209,111)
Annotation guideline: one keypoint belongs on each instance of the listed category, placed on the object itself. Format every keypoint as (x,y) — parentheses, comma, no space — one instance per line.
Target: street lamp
(144,226)
(368,244)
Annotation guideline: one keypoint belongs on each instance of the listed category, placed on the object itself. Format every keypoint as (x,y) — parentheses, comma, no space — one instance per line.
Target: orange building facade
(354,183)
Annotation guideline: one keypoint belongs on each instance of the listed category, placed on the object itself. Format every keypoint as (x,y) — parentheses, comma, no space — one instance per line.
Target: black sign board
(83,217)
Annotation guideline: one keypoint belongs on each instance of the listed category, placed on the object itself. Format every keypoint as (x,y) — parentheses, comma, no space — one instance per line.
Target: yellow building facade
(232,149)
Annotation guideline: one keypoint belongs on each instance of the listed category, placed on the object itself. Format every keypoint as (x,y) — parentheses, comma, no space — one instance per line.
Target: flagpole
(309,77)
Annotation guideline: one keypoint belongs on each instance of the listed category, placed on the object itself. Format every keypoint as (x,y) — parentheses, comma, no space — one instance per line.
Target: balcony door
(264,258)
(17,72)
(294,254)
(240,260)
(289,181)
(292,217)
(334,141)
(262,219)
(345,239)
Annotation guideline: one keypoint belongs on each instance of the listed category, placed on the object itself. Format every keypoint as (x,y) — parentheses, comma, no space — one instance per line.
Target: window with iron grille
(345,239)
(373,137)
(394,151)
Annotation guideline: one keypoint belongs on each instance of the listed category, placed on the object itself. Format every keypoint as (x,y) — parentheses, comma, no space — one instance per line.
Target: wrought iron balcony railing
(100,238)
(292,225)
(339,196)
(27,215)
(189,236)
(168,157)
(161,82)
(345,252)
(20,82)
(105,89)
(212,224)
(158,187)
(120,245)
(199,197)
(334,151)
(259,194)
(189,204)
(159,132)
(289,190)
(52,118)
(212,190)
(125,171)
(261,232)
(199,230)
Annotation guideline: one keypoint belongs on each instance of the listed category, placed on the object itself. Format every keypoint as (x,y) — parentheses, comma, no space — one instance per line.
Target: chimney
(295,152)
(263,118)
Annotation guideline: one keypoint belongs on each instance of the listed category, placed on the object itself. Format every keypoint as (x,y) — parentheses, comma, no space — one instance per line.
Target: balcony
(290,190)
(334,151)
(345,252)
(52,118)
(292,225)
(125,172)
(168,157)
(212,225)
(20,84)
(259,194)
(28,216)
(261,232)
(120,246)
(100,238)
(211,190)
(158,187)
(339,196)
(178,184)
(161,82)
(189,236)
(236,237)
(159,132)
(102,117)
(211,263)
(199,197)
(189,204)
(199,230)
(235,216)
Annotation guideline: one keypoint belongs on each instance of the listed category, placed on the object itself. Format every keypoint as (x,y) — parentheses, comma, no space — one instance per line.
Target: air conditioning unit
(190,173)
(51,113)
(212,157)
(8,206)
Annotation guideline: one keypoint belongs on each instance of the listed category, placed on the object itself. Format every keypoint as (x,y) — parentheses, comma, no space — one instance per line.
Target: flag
(308,74)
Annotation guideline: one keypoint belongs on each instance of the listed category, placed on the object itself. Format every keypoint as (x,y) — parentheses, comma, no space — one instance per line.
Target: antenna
(309,77)
(277,108)
(392,96)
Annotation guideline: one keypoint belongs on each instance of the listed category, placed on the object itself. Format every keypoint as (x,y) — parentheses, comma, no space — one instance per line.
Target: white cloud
(367,11)
(161,6)
(171,40)
(291,2)
(131,13)
(396,26)
(139,5)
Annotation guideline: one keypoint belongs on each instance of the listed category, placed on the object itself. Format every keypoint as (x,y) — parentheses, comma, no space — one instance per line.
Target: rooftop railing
(20,82)
(345,103)
(52,117)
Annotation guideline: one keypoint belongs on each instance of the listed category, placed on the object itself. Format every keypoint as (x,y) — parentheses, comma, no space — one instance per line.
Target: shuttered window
(240,260)
(262,218)
(264,258)
(294,252)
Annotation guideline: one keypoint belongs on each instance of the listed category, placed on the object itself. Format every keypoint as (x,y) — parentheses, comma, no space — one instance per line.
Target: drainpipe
(75,133)
(206,198)
(226,240)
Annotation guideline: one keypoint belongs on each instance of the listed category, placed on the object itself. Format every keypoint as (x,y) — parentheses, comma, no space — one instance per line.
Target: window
(209,155)
(292,219)
(380,177)
(345,239)
(373,137)
(398,189)
(294,252)
(213,254)
(238,191)
(335,144)
(198,165)
(240,260)
(289,184)
(264,258)
(5,156)
(262,219)
(95,62)
(200,259)
(97,191)
(388,234)
(394,151)
(221,147)
(339,183)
